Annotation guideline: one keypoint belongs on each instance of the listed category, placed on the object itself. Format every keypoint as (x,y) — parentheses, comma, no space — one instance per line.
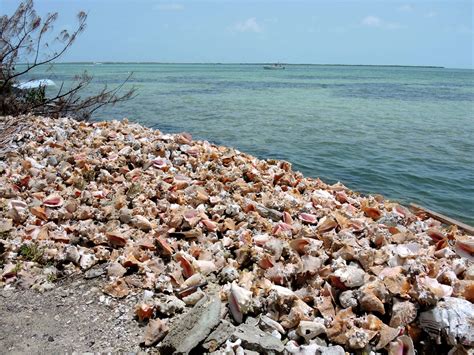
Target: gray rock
(266,212)
(257,340)
(52,160)
(125,215)
(192,328)
(218,336)
(94,272)
(331,350)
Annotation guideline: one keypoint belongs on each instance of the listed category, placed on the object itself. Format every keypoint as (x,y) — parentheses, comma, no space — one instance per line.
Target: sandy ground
(73,317)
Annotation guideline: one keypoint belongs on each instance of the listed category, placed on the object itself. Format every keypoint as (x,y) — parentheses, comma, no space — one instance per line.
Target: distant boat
(274,66)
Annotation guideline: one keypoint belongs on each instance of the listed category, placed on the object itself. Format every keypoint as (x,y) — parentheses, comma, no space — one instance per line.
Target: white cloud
(169,7)
(430,14)
(249,25)
(406,8)
(374,21)
(371,21)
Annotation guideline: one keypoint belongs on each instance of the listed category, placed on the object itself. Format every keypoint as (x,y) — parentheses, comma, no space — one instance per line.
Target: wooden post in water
(445,219)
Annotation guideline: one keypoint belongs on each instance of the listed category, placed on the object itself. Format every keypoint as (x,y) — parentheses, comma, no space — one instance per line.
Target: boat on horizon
(274,66)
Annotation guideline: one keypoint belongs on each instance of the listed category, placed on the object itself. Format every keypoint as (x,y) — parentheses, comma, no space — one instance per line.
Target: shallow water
(406,133)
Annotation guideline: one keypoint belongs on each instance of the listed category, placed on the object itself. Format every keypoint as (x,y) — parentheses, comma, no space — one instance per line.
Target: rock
(125,215)
(116,270)
(94,272)
(9,270)
(5,225)
(255,339)
(52,160)
(72,254)
(154,331)
(192,328)
(218,336)
(331,350)
(452,319)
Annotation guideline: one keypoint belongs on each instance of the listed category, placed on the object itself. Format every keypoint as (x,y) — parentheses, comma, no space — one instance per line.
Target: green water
(406,133)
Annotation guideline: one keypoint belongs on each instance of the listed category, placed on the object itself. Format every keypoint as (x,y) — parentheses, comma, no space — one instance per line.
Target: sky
(419,32)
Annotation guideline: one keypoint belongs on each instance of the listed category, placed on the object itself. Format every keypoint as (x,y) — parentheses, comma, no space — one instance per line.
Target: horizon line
(261,63)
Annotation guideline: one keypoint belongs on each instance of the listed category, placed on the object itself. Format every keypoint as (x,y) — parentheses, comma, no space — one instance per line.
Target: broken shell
(143,311)
(311,329)
(165,247)
(116,239)
(347,299)
(39,212)
(268,323)
(210,225)
(371,303)
(299,244)
(351,276)
(437,289)
(403,313)
(387,334)
(118,289)
(142,223)
(187,267)
(205,266)
(155,331)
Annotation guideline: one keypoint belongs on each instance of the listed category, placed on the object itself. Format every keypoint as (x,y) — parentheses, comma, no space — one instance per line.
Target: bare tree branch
(21,38)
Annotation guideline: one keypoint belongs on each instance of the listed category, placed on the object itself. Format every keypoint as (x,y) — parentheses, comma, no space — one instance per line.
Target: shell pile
(316,265)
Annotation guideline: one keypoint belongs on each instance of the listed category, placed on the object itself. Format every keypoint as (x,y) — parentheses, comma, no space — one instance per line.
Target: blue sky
(349,32)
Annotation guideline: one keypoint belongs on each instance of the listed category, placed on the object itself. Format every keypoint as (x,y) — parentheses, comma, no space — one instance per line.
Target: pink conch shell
(281,227)
(464,247)
(308,218)
(159,163)
(53,201)
(239,301)
(326,224)
(403,345)
(210,225)
(435,287)
(287,218)
(299,245)
(188,269)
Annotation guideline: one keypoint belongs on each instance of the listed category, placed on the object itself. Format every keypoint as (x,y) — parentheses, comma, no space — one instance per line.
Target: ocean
(404,132)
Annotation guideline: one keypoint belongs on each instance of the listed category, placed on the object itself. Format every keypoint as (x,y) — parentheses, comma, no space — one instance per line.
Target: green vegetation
(31,252)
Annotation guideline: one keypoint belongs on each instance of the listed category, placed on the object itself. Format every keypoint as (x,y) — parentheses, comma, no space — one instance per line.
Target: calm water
(407,133)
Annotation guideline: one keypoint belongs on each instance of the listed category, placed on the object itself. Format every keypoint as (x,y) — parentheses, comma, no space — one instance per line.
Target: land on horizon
(261,63)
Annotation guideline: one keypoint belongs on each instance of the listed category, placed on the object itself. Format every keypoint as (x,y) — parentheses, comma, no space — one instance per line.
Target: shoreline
(162,210)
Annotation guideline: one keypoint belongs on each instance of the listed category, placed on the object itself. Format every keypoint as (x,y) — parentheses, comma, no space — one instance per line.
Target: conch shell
(239,301)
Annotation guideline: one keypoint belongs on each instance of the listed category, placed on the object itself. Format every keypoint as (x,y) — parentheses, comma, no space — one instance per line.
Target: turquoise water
(406,133)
